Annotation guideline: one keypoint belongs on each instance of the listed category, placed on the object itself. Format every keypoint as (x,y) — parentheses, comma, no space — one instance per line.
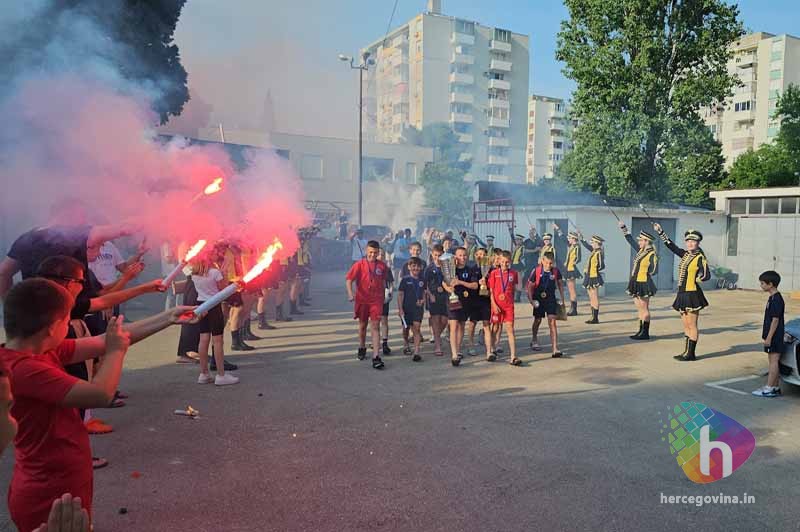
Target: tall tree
(643,69)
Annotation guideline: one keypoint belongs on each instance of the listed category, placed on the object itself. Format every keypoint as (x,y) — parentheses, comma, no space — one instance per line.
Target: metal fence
(495,217)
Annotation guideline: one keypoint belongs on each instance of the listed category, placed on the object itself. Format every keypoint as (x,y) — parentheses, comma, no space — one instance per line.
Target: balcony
(462,118)
(500,178)
(461,97)
(499,141)
(497,159)
(499,84)
(499,46)
(464,138)
(556,112)
(500,66)
(462,38)
(498,103)
(462,59)
(499,122)
(744,116)
(462,79)
(401,41)
(746,60)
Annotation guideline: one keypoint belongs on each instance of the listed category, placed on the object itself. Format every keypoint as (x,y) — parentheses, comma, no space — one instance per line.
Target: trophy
(485,267)
(449,274)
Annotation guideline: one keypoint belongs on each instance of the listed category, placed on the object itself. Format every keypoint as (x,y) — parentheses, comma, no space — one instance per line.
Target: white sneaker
(225,380)
(204,378)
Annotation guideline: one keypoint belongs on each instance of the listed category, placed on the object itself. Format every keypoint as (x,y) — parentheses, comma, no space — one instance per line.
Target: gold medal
(465,294)
(543,295)
(440,289)
(501,297)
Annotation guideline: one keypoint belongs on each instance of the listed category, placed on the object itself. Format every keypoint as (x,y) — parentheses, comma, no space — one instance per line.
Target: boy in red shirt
(502,284)
(369,275)
(51,448)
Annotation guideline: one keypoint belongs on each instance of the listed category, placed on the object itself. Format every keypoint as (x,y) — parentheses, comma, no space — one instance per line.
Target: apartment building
(549,136)
(765,64)
(438,68)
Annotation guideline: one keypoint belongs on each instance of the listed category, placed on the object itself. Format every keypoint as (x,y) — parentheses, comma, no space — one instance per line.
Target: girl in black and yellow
(641,286)
(692,269)
(594,278)
(571,271)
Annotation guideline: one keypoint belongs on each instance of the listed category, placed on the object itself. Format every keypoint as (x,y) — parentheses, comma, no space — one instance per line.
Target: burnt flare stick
(217,298)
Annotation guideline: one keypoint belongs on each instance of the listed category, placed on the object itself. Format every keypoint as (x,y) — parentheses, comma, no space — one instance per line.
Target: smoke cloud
(77,129)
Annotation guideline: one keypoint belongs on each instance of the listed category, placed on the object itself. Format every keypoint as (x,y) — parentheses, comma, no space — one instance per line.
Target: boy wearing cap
(594,278)
(571,271)
(641,286)
(689,301)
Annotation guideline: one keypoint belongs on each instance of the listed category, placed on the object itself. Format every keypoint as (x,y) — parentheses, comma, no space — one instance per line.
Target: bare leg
(202,349)
(553,333)
(512,339)
(487,337)
(535,331)
(646,309)
(405,338)
(691,322)
(362,334)
(219,354)
(438,325)
(417,337)
(376,338)
(772,378)
(571,288)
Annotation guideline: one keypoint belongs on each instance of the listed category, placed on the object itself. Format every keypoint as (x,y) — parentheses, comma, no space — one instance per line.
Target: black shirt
(413,290)
(434,278)
(31,248)
(468,274)
(531,249)
(775,309)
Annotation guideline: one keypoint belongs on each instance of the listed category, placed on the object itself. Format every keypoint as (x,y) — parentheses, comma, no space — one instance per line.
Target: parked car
(790,358)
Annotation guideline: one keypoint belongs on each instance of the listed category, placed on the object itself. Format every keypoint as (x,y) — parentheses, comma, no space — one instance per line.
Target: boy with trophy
(462,282)
(437,297)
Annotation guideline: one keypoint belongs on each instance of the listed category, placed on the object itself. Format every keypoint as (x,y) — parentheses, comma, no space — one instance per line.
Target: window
(346,169)
(775,74)
(754,205)
(733,236)
(743,106)
(462,26)
(770,205)
(376,169)
(776,56)
(788,205)
(311,167)
(502,35)
(496,75)
(737,206)
(411,173)
(558,145)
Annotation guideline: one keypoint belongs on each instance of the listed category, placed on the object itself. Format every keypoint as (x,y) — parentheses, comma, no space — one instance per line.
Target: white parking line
(719,384)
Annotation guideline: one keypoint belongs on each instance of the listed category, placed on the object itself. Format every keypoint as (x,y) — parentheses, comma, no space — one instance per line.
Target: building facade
(437,68)
(765,64)
(549,137)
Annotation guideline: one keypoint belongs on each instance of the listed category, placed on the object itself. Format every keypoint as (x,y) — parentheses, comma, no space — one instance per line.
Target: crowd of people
(464,281)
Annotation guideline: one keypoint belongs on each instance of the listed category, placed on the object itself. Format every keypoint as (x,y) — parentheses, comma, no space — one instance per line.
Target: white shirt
(206,285)
(104,267)
(358,252)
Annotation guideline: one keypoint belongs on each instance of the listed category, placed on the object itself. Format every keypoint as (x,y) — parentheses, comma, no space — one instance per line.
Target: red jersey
(370,278)
(51,449)
(503,283)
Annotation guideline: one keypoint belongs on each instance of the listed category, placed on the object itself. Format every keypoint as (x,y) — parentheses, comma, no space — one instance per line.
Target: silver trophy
(485,267)
(449,275)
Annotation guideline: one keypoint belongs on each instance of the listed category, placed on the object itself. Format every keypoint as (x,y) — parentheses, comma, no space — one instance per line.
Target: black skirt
(641,289)
(593,282)
(690,301)
(574,274)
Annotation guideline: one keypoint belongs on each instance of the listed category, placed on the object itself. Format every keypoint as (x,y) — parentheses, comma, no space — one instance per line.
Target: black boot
(293,308)
(685,349)
(302,300)
(237,344)
(645,331)
(385,347)
(573,308)
(595,316)
(247,332)
(639,332)
(690,348)
(263,324)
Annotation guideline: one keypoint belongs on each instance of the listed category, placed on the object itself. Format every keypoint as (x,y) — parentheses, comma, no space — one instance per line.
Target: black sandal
(377,363)
(456,361)
(362,353)
(515,361)
(417,357)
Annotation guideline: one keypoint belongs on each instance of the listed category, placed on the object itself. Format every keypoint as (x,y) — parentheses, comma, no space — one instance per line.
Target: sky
(235,51)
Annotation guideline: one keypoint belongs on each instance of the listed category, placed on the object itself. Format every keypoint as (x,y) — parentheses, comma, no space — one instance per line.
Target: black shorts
(235,300)
(386,309)
(546,307)
(474,312)
(438,307)
(413,314)
(213,322)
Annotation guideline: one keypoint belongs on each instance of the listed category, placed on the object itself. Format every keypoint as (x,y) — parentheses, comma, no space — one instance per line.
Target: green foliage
(788,111)
(643,69)
(694,163)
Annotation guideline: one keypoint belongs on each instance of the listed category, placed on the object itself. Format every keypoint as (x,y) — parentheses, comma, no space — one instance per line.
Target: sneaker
(535,346)
(225,380)
(204,378)
(767,391)
(96,426)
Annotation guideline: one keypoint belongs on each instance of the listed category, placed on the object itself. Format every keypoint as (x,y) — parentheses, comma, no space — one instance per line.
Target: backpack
(536,275)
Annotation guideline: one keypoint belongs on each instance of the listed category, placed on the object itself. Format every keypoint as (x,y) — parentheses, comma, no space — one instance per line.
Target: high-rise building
(549,136)
(437,68)
(765,64)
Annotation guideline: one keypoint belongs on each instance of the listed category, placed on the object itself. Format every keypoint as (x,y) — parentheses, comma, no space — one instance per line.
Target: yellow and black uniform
(645,265)
(692,269)
(595,265)
(517,258)
(548,248)
(571,270)
(303,257)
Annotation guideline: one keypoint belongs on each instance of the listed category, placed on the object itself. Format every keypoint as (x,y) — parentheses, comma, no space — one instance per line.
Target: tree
(131,38)
(693,164)
(787,111)
(643,69)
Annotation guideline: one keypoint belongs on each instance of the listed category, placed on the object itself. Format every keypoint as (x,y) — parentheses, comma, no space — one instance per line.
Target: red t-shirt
(51,449)
(495,283)
(370,278)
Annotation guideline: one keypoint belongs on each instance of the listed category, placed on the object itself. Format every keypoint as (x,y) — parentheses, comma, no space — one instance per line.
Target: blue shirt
(401,249)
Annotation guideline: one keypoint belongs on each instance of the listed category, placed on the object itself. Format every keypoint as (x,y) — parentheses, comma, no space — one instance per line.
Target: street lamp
(366,62)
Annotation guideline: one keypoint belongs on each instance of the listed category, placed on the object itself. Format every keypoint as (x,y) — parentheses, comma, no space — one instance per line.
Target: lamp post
(366,61)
